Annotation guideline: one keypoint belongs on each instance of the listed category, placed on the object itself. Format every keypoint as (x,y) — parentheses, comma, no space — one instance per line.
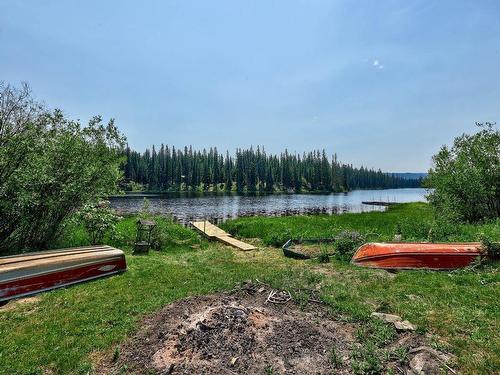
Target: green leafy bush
(491,248)
(98,219)
(346,244)
(324,255)
(50,167)
(466,177)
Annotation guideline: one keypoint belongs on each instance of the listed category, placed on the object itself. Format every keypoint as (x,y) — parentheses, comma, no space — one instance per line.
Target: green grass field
(67,330)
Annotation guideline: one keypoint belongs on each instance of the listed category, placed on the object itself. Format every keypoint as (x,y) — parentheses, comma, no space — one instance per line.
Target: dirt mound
(241,333)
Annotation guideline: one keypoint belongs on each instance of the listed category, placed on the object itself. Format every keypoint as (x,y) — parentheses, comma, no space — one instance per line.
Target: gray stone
(428,361)
(399,323)
(404,325)
(388,318)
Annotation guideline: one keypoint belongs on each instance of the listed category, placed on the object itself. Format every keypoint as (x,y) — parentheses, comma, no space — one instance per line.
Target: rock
(442,356)
(388,318)
(428,361)
(203,327)
(418,363)
(399,323)
(404,325)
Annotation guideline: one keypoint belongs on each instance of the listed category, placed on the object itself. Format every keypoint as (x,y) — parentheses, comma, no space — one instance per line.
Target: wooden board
(236,243)
(213,232)
(208,229)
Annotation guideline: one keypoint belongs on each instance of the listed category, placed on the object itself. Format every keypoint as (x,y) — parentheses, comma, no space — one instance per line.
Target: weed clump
(346,244)
(368,357)
(324,255)
(491,248)
(335,358)
(366,360)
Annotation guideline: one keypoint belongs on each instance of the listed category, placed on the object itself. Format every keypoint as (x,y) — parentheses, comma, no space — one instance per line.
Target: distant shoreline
(158,194)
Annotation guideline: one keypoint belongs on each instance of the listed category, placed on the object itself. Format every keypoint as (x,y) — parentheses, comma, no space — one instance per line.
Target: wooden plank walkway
(215,233)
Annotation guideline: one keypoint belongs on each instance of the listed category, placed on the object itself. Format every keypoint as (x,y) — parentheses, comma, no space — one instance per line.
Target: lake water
(219,207)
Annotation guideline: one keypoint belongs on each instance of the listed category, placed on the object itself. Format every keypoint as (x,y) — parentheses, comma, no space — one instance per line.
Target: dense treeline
(250,170)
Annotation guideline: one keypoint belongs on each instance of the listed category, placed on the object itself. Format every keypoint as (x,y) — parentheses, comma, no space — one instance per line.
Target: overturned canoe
(30,273)
(438,256)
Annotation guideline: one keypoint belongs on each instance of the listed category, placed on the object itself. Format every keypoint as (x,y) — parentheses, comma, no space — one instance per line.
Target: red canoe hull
(437,256)
(33,273)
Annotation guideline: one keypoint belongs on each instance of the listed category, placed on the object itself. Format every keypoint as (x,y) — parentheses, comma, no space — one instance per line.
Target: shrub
(465,179)
(49,168)
(324,255)
(491,248)
(98,219)
(346,244)
(132,186)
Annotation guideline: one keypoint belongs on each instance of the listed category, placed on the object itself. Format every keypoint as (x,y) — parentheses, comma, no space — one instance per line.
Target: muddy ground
(240,332)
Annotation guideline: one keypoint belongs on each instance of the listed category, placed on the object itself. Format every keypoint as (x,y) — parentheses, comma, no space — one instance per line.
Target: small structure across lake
(213,232)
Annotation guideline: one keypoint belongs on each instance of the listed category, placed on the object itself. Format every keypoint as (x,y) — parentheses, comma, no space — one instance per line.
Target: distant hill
(409,176)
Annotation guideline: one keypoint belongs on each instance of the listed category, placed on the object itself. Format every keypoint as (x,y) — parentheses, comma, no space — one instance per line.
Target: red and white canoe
(30,273)
(437,256)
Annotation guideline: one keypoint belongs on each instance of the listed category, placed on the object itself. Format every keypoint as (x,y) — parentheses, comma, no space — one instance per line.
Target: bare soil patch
(240,332)
(12,305)
(313,250)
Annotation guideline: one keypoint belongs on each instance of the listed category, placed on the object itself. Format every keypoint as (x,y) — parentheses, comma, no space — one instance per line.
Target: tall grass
(415,222)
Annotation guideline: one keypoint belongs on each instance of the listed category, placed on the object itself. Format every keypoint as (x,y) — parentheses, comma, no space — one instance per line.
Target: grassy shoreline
(415,222)
(69,330)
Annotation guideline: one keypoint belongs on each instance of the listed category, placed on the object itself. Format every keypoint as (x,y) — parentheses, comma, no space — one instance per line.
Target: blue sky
(381,83)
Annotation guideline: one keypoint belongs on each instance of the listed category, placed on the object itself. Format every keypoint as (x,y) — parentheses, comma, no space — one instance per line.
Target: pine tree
(251,170)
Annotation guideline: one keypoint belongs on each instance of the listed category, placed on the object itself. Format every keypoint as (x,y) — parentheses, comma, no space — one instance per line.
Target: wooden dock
(215,233)
(379,203)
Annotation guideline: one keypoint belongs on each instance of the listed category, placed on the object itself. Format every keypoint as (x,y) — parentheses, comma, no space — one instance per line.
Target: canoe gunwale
(53,253)
(76,266)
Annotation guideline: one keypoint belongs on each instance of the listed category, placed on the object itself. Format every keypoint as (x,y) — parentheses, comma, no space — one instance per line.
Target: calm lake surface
(220,207)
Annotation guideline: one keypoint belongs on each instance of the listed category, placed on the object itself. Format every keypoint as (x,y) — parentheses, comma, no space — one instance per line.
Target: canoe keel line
(31,273)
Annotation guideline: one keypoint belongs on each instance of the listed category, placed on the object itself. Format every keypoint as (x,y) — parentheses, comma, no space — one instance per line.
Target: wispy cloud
(377,64)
